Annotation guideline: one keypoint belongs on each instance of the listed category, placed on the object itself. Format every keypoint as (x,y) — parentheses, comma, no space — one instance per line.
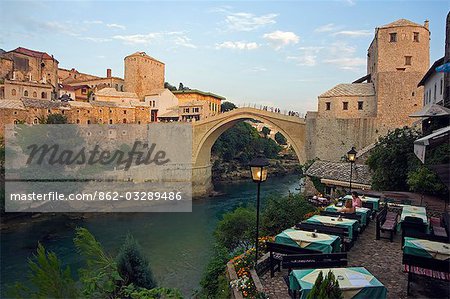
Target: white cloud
(326,28)
(95,39)
(135,39)
(279,39)
(59,27)
(177,38)
(243,21)
(238,45)
(343,56)
(93,22)
(116,26)
(354,33)
(307,56)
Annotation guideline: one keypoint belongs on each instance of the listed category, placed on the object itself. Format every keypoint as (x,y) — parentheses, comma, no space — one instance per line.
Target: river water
(178,245)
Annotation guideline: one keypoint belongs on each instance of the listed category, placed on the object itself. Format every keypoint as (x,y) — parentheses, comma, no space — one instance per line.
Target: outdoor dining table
(363,212)
(426,248)
(414,211)
(350,224)
(355,282)
(373,200)
(304,239)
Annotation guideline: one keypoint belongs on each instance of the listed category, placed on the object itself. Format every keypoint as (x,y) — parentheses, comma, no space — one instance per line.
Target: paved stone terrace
(381,258)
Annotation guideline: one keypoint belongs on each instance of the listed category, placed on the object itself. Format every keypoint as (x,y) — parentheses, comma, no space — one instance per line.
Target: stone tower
(397,59)
(143,74)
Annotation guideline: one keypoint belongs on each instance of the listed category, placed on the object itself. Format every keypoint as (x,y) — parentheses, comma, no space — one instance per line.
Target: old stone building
(357,114)
(189,95)
(74,78)
(28,73)
(143,74)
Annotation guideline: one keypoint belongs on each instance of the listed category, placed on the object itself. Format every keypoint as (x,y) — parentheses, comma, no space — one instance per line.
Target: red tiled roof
(32,53)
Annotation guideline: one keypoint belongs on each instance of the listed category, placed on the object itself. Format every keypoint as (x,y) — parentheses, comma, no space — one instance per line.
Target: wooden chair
(411,226)
(383,224)
(277,251)
(341,232)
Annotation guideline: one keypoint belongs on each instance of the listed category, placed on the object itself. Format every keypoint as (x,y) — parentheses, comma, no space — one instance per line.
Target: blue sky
(281,54)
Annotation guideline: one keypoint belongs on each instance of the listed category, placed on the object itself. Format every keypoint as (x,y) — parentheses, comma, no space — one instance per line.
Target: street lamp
(351,156)
(258,169)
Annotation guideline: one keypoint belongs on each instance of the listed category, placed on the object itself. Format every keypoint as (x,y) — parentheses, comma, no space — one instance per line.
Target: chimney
(426,24)
(108,73)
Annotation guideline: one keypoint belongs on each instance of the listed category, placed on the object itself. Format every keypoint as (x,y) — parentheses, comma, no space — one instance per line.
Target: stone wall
(337,111)
(6,68)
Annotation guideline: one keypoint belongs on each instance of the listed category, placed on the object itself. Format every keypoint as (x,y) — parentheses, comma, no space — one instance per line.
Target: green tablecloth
(363,212)
(426,248)
(375,201)
(350,224)
(413,211)
(354,282)
(299,238)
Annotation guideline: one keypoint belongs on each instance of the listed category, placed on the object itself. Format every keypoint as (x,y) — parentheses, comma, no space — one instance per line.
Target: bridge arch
(207,131)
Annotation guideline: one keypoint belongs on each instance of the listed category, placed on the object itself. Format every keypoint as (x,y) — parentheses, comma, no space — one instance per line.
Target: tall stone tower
(398,57)
(143,74)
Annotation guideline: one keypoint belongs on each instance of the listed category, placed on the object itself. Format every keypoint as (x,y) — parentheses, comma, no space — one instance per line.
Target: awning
(432,110)
(436,138)
(445,68)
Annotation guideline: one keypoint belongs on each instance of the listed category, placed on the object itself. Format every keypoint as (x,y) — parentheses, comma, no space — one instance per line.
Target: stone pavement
(381,258)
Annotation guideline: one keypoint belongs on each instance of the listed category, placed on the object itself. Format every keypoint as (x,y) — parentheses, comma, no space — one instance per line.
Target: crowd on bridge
(273,109)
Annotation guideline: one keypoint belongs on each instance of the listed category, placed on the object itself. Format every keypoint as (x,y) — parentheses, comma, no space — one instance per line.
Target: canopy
(431,110)
(436,138)
(445,68)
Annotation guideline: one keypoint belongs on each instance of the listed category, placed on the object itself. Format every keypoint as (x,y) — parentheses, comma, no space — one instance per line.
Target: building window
(15,112)
(435,88)
(344,105)
(83,91)
(43,95)
(328,106)
(35,121)
(393,37)
(13,92)
(124,111)
(124,121)
(78,121)
(16,122)
(48,111)
(360,105)
(139,122)
(88,122)
(442,86)
(408,60)
(110,121)
(416,37)
(100,121)
(34,94)
(196,109)
(186,110)
(25,93)
(62,111)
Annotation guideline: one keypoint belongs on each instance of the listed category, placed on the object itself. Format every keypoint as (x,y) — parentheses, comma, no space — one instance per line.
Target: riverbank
(234,170)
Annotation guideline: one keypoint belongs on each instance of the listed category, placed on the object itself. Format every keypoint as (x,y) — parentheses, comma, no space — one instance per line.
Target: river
(178,245)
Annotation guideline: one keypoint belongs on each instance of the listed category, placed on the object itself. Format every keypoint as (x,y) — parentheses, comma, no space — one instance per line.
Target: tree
(48,279)
(133,266)
(280,139)
(215,269)
(424,180)
(56,118)
(237,229)
(392,158)
(227,106)
(169,86)
(265,131)
(283,212)
(325,288)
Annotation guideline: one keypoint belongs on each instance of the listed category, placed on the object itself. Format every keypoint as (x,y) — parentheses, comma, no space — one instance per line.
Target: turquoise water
(178,245)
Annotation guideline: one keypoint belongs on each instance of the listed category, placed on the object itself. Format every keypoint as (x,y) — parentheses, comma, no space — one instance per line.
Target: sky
(276,53)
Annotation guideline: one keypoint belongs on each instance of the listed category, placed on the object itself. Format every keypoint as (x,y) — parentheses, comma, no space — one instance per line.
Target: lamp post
(351,156)
(258,169)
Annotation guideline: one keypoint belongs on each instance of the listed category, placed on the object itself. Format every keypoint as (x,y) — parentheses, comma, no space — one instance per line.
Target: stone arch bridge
(206,132)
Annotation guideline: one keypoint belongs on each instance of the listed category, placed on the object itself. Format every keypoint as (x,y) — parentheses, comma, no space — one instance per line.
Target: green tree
(48,279)
(283,212)
(280,139)
(325,288)
(424,180)
(169,86)
(100,278)
(227,106)
(133,266)
(213,276)
(237,229)
(56,118)
(392,158)
(265,131)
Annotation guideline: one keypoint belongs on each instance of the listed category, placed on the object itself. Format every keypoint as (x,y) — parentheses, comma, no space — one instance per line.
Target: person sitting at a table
(356,201)
(349,208)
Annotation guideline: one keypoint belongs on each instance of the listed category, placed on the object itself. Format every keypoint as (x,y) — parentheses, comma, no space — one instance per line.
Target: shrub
(325,288)
(211,281)
(133,266)
(283,212)
(237,229)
